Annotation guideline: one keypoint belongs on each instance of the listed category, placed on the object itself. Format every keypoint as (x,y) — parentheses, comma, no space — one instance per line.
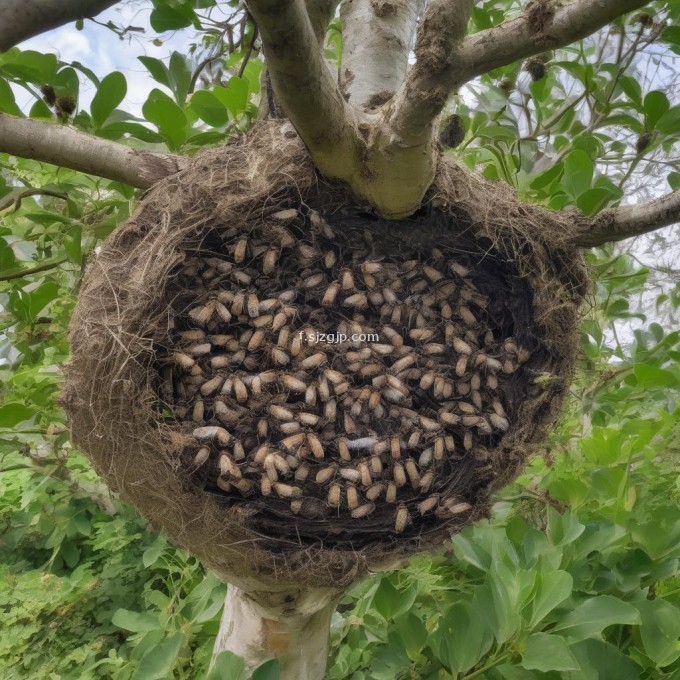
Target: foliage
(575,575)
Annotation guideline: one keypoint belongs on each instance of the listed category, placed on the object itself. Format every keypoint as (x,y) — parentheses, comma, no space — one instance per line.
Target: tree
(376,129)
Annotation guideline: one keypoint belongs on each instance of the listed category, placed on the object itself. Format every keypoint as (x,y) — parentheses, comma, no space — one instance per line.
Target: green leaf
(209,108)
(391,602)
(660,630)
(136,622)
(171,18)
(669,123)
(180,77)
(578,173)
(234,96)
(465,637)
(594,615)
(655,105)
(413,634)
(7,102)
(167,116)
(651,377)
(548,177)
(227,665)
(594,200)
(158,70)
(547,653)
(269,670)
(158,662)
(14,413)
(35,67)
(28,305)
(110,93)
(72,244)
(602,661)
(552,589)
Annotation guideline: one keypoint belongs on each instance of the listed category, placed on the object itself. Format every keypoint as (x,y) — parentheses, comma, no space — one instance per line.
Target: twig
(45,266)
(249,52)
(16,198)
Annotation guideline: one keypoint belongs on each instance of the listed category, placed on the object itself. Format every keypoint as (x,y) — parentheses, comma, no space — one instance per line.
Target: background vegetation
(576,574)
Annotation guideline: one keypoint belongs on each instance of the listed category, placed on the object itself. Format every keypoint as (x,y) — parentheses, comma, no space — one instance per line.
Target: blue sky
(100,49)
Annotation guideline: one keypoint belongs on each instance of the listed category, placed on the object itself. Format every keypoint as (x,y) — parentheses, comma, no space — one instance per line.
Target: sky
(100,49)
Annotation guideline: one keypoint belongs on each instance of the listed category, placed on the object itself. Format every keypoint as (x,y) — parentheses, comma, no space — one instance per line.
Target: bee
(313,281)
(428,505)
(358,301)
(302,473)
(347,280)
(213,433)
(426,481)
(291,383)
(363,510)
(365,473)
(286,490)
(313,361)
(228,468)
(412,472)
(352,497)
(315,445)
(499,422)
(330,410)
(398,474)
(240,250)
(428,424)
(280,413)
(401,519)
(201,456)
(350,474)
(269,261)
(202,315)
(326,474)
(334,494)
(309,419)
(239,452)
(331,294)
(198,411)
(433,274)
(183,360)
(329,259)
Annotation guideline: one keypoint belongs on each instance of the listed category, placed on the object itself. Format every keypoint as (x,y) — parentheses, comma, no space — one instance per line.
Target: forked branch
(425,90)
(70,148)
(545,25)
(629,221)
(303,84)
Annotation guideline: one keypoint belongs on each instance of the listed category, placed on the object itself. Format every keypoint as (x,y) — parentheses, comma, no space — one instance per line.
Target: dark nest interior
(293,387)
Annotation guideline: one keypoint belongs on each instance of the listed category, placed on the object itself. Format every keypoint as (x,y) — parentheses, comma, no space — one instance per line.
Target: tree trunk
(291,625)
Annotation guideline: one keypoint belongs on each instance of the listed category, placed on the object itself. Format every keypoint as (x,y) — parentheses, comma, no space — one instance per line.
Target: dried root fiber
(296,390)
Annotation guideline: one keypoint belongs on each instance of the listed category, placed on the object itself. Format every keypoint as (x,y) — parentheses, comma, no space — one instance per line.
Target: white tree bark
(292,625)
(377,37)
(22,19)
(70,148)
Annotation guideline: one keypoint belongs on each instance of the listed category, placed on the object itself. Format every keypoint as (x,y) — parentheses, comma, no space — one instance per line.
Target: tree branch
(544,25)
(23,19)
(377,37)
(425,91)
(320,13)
(70,148)
(305,87)
(628,221)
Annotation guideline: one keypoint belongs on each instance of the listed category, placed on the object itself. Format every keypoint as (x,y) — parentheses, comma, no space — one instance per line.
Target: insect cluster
(342,441)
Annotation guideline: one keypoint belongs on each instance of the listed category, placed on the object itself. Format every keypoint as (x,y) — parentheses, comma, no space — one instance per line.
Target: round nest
(297,390)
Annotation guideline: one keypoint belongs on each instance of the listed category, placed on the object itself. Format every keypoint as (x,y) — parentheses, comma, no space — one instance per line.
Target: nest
(299,391)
